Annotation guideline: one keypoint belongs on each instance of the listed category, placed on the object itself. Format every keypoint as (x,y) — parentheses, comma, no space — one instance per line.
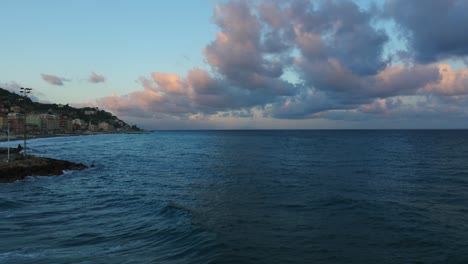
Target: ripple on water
(244,197)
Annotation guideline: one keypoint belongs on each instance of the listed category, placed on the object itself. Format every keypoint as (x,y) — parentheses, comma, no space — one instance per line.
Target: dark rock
(35,166)
(4,151)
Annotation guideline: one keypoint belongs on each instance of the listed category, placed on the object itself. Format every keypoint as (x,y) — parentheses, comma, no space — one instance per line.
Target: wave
(221,197)
(16,256)
(9,204)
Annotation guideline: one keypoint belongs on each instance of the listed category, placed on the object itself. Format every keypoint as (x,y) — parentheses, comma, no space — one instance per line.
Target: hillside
(12,102)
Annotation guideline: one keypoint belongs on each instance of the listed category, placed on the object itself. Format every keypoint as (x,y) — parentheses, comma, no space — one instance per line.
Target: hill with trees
(88,118)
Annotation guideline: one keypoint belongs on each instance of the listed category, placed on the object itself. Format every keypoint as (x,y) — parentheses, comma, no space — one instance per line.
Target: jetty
(19,168)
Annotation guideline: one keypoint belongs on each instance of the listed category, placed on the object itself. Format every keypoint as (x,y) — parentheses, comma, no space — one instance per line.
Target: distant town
(19,114)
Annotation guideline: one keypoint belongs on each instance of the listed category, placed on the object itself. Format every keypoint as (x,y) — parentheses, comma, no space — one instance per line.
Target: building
(34,123)
(50,123)
(16,122)
(92,127)
(4,109)
(106,127)
(65,124)
(78,124)
(16,109)
(3,122)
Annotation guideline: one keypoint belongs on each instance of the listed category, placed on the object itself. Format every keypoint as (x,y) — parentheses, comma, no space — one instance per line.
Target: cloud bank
(310,60)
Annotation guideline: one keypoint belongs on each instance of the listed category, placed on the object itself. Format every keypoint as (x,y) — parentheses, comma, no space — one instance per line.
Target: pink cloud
(96,78)
(310,43)
(381,106)
(271,14)
(168,82)
(452,82)
(54,80)
(333,49)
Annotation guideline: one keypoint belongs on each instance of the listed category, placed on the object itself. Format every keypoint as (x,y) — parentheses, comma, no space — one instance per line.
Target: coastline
(19,168)
(4,138)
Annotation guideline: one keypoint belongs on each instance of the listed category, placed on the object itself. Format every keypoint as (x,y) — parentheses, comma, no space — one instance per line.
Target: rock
(4,151)
(35,166)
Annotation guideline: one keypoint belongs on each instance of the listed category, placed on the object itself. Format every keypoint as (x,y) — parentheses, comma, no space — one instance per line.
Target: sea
(253,196)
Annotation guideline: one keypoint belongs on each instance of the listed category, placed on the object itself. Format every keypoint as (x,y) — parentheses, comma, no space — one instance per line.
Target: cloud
(381,106)
(336,52)
(237,54)
(96,78)
(13,87)
(434,29)
(54,80)
(452,82)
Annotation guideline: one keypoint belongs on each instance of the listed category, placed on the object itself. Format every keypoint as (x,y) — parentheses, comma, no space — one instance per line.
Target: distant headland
(18,113)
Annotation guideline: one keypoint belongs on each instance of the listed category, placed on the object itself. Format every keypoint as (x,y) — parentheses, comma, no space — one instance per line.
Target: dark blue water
(244,197)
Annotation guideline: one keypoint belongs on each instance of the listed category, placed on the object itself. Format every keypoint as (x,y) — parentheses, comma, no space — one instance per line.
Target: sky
(244,64)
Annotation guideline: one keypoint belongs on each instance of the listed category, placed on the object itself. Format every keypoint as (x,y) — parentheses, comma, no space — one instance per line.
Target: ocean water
(320,196)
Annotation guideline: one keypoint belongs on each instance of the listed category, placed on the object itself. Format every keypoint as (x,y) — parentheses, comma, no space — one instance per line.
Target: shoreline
(4,138)
(19,168)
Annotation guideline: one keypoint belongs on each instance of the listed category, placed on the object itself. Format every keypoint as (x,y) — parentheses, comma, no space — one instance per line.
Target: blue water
(389,196)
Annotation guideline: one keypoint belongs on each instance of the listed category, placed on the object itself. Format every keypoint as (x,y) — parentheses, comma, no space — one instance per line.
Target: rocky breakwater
(20,168)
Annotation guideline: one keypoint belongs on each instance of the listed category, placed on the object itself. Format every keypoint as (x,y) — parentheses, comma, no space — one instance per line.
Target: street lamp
(25,92)
(8,138)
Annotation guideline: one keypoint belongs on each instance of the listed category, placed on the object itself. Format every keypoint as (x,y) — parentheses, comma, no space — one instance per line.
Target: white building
(106,127)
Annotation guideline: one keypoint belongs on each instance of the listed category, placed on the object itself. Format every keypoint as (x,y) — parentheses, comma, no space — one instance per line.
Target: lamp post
(25,92)
(8,138)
